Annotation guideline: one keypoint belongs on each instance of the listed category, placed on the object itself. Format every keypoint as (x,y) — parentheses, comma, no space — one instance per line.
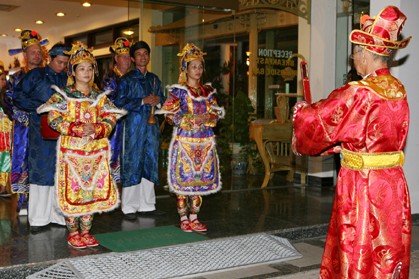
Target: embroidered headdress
(189,52)
(380,34)
(2,71)
(120,46)
(28,38)
(79,53)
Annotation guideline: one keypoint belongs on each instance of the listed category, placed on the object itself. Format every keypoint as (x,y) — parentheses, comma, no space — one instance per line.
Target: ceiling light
(39,21)
(86,4)
(60,14)
(18,29)
(3,35)
(128,32)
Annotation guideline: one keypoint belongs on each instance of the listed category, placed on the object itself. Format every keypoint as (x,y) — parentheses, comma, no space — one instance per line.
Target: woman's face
(83,72)
(195,70)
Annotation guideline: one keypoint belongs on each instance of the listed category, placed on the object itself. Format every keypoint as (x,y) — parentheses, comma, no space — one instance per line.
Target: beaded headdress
(120,46)
(28,38)
(379,34)
(79,53)
(189,52)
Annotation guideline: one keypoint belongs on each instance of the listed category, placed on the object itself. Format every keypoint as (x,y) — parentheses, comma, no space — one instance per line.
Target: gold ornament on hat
(28,38)
(189,52)
(380,34)
(121,46)
(1,68)
(80,53)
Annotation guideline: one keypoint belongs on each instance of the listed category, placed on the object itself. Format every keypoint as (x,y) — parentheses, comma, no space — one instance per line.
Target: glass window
(81,38)
(102,38)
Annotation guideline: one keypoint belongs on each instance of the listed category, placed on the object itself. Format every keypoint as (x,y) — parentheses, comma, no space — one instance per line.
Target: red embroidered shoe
(89,240)
(185,226)
(197,226)
(75,241)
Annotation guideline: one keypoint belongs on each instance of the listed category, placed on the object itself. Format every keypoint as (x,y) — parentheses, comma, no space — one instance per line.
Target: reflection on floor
(283,209)
(298,213)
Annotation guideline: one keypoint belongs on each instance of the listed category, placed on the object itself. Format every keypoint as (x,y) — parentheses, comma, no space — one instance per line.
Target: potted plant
(233,141)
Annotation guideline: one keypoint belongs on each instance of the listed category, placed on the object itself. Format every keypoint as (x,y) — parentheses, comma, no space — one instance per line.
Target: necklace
(117,71)
(83,91)
(193,87)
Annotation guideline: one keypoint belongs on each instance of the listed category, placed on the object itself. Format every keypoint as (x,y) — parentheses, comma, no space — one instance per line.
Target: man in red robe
(367,121)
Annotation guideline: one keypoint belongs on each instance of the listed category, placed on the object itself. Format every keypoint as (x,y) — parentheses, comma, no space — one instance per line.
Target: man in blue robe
(33,56)
(111,79)
(139,91)
(31,92)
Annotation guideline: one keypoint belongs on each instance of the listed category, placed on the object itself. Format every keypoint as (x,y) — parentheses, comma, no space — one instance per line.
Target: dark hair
(58,49)
(138,45)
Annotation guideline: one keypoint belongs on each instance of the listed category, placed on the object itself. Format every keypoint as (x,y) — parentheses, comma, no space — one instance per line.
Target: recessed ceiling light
(86,4)
(39,21)
(60,14)
(3,35)
(18,29)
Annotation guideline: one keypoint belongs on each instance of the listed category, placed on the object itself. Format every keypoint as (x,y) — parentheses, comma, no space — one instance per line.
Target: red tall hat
(380,34)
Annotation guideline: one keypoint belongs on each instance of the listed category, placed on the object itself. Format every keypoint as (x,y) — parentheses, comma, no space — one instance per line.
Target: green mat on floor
(146,238)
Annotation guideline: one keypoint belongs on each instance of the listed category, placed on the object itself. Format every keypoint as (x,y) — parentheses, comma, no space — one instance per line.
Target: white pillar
(225,58)
(253,49)
(152,18)
(322,76)
(407,73)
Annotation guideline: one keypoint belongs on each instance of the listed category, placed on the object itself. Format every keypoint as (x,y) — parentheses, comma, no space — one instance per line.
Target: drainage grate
(177,261)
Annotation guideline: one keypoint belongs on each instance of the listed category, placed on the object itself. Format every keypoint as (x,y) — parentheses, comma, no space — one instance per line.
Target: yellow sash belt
(371,161)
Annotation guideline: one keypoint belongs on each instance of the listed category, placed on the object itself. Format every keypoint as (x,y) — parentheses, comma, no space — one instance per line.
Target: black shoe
(130,216)
(153,213)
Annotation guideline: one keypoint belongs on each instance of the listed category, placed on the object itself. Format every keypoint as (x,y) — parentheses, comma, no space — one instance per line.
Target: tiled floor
(298,213)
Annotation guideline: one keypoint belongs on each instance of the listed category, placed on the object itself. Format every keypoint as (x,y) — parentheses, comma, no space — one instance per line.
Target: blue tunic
(19,171)
(141,140)
(33,91)
(110,82)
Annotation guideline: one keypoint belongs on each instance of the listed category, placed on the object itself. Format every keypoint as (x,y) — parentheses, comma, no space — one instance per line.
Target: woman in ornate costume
(5,140)
(193,160)
(84,117)
(367,121)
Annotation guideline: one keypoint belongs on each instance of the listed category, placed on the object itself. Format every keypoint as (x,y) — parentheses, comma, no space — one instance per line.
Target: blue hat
(59,49)
(28,38)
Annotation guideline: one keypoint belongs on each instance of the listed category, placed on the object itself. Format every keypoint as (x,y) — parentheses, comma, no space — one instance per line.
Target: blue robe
(19,169)
(33,91)
(141,140)
(110,82)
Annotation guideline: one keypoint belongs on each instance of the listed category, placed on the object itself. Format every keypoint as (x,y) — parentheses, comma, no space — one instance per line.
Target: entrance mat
(177,261)
(146,238)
